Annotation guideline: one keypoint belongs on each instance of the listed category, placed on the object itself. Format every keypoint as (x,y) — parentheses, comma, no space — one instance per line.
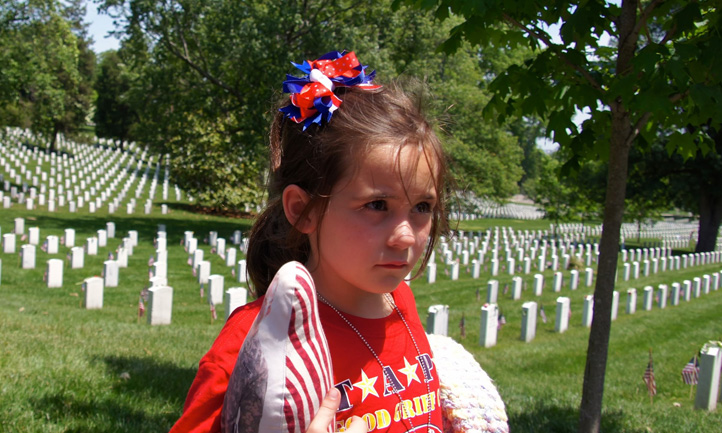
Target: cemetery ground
(68,369)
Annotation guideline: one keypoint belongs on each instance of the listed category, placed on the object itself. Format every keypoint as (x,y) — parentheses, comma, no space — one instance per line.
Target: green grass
(66,369)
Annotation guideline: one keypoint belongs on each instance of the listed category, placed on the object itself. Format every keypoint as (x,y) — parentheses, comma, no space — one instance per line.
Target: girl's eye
(423,207)
(379,205)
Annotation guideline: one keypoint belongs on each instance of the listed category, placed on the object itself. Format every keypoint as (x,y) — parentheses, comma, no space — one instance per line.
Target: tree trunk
(622,134)
(710,216)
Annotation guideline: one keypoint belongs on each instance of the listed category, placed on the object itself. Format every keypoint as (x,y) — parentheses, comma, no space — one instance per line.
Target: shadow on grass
(164,381)
(142,392)
(550,418)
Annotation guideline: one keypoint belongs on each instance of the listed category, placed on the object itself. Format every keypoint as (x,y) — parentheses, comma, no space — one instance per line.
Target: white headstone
(708,386)
(102,238)
(437,320)
(160,305)
(53,242)
(93,297)
(197,257)
(234,298)
(110,229)
(489,325)
(34,235)
(615,304)
(562,314)
(215,289)
(573,279)
(492,292)
(91,246)
(648,297)
(455,270)
(110,273)
(516,286)
(558,281)
(192,245)
(494,267)
(133,235)
(662,296)
(27,256)
(241,271)
(431,273)
(19,226)
(122,257)
(9,243)
(538,284)
(54,273)
(631,301)
(588,277)
(588,311)
(675,294)
(77,257)
(69,236)
(204,271)
(528,321)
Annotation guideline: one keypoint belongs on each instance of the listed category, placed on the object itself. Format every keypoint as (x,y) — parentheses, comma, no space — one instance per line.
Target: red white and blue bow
(312,97)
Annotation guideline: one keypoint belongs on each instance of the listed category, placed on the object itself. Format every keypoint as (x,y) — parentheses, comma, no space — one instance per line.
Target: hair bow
(312,97)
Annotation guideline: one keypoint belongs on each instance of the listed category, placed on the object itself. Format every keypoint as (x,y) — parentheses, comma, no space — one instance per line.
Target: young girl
(357,195)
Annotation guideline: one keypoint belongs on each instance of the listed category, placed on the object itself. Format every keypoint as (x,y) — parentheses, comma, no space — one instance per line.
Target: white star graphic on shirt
(410,371)
(366,385)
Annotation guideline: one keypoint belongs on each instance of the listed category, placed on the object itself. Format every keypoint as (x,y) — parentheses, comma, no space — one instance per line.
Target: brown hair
(317,158)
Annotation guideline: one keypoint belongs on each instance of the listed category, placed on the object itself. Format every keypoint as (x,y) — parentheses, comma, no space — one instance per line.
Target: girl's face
(375,228)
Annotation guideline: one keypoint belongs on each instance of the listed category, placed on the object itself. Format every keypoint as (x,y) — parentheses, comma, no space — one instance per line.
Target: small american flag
(543,314)
(110,256)
(202,290)
(502,321)
(23,237)
(233,272)
(62,240)
(649,377)
(141,307)
(151,261)
(213,312)
(690,371)
(462,325)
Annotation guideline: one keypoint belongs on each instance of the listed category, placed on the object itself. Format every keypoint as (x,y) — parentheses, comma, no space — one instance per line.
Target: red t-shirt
(365,390)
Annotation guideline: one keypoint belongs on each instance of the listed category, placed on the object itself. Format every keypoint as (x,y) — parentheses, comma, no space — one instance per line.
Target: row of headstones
(86,164)
(51,245)
(710,363)
(507,210)
(437,321)
(94,200)
(588,254)
(657,229)
(160,294)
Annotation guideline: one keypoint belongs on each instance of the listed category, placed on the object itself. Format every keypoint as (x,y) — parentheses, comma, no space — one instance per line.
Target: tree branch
(644,17)
(544,37)
(185,56)
(639,124)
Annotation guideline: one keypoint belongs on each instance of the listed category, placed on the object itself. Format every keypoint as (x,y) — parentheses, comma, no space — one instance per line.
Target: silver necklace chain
(373,352)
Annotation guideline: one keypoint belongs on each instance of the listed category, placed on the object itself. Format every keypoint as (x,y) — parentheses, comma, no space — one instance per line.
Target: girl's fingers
(325,416)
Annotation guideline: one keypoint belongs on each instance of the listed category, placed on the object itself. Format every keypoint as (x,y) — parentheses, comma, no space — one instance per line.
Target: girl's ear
(295,199)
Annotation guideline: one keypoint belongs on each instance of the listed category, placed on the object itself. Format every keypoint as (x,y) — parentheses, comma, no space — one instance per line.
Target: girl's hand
(325,414)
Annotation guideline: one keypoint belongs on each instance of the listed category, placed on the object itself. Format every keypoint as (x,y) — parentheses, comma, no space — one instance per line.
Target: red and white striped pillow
(284,367)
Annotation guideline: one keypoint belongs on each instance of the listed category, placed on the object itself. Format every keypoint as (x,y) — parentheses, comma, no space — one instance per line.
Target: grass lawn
(66,369)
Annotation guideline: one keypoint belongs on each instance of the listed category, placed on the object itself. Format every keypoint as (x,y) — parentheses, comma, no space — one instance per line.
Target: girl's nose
(403,235)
